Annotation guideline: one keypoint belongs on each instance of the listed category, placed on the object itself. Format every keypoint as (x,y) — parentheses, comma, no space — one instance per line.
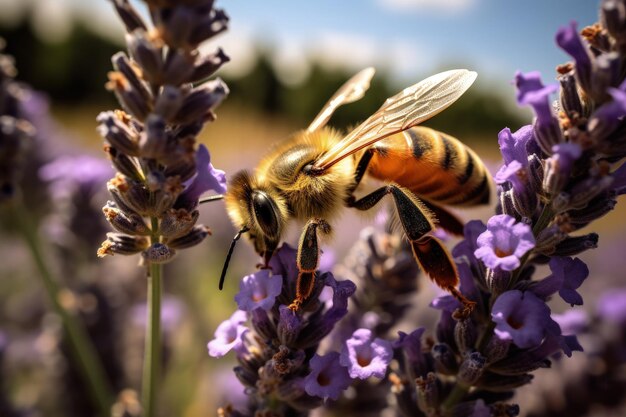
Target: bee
(314,174)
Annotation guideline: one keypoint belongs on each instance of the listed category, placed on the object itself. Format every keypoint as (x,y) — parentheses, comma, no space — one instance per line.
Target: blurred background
(287,58)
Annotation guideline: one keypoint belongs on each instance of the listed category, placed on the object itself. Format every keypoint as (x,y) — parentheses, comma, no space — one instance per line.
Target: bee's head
(259,209)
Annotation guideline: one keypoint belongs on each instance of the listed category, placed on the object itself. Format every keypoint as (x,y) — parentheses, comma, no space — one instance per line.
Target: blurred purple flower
(258,290)
(229,335)
(327,260)
(481,409)
(172,312)
(521,317)
(504,242)
(573,321)
(207,178)
(69,173)
(612,305)
(366,356)
(327,378)
(567,275)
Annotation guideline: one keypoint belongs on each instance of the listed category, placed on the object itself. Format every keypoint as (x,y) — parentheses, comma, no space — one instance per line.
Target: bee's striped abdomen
(433,165)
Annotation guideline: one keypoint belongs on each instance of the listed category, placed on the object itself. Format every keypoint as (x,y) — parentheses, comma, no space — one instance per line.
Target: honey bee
(313,175)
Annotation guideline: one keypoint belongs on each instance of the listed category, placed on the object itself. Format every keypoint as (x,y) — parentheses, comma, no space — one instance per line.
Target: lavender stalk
(152,144)
(16,137)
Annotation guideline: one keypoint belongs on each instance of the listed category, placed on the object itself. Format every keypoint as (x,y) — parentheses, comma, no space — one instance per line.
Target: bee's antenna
(211,198)
(230,252)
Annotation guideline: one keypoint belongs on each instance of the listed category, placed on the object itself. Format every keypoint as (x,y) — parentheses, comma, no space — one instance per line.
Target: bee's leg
(308,259)
(360,170)
(429,252)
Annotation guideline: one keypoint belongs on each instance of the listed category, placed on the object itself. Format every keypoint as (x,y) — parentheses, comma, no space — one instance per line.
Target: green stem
(456,395)
(152,353)
(81,348)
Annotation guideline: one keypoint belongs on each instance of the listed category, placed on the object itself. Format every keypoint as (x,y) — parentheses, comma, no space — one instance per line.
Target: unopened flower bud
(471,368)
(175,223)
(122,244)
(570,98)
(427,393)
(574,245)
(158,253)
(202,100)
(207,65)
(193,238)
(465,334)
(123,163)
(117,133)
(148,54)
(129,223)
(445,359)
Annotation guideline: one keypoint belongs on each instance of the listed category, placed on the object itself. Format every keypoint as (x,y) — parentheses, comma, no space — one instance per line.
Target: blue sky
(494,37)
(408,38)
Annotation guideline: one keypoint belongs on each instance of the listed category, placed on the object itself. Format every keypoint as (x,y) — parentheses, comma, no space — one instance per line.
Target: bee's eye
(265,212)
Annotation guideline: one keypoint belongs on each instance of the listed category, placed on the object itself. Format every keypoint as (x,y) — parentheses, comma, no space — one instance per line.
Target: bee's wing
(351,91)
(406,109)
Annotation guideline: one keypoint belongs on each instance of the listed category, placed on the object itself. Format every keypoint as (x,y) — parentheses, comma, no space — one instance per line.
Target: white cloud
(427,5)
(402,58)
(240,46)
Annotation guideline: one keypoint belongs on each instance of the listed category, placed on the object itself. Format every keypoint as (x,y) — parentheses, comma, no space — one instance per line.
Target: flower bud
(208,27)
(122,245)
(496,349)
(153,141)
(570,98)
(129,223)
(117,133)
(158,253)
(129,97)
(122,64)
(129,15)
(200,101)
(427,393)
(465,334)
(471,368)
(148,54)
(445,359)
(175,223)
(193,238)
(123,163)
(574,245)
(168,102)
(207,65)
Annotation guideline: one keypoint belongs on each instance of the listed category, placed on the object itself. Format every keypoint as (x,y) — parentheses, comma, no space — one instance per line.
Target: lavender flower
(521,317)
(559,174)
(504,243)
(229,335)
(279,362)
(366,356)
(567,275)
(17,132)
(327,378)
(258,290)
(152,142)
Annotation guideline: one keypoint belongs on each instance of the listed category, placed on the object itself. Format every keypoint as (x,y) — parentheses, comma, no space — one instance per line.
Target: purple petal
(366,356)
(569,40)
(207,178)
(327,379)
(532,92)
